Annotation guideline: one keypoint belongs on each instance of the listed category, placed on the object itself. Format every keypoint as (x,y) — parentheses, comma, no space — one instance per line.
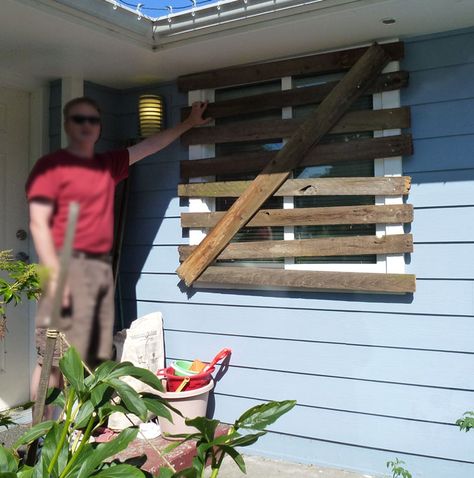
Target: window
(335,221)
(366,168)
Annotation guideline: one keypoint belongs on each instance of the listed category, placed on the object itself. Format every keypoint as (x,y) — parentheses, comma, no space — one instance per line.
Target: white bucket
(191,404)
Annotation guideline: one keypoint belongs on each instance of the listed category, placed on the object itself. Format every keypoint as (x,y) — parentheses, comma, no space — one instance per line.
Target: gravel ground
(9,436)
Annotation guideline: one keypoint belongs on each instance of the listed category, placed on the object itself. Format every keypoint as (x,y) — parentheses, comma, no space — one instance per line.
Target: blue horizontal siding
(161,174)
(434,369)
(439,52)
(109,100)
(166,230)
(154,204)
(432,296)
(449,224)
(441,154)
(442,188)
(442,84)
(428,439)
(372,329)
(367,397)
(375,376)
(450,118)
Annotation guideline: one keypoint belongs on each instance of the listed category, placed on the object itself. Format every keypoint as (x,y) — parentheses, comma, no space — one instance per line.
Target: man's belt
(92,255)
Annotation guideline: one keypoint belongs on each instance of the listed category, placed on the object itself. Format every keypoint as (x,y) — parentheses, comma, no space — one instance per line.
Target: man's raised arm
(160,140)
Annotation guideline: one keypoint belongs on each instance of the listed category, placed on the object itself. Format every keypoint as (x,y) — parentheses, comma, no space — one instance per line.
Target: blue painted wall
(55,115)
(110,102)
(375,377)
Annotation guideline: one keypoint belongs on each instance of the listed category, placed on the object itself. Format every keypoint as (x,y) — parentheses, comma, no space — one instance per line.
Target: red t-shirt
(63,177)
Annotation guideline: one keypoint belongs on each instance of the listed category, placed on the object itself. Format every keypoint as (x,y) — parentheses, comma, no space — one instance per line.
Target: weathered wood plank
(323,119)
(355,150)
(358,186)
(321,247)
(294,97)
(310,216)
(257,130)
(320,63)
(259,278)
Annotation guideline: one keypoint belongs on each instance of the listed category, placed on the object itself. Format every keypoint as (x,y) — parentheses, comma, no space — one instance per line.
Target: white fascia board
(206,23)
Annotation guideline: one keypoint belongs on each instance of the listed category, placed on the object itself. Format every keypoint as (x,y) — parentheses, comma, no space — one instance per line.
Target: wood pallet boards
(257,130)
(320,247)
(355,150)
(309,216)
(357,186)
(294,97)
(317,64)
(261,278)
(314,128)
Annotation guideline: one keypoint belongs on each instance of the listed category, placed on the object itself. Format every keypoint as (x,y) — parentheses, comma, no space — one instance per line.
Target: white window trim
(200,151)
(387,263)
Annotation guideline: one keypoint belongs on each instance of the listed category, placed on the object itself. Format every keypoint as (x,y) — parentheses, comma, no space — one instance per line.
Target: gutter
(233,16)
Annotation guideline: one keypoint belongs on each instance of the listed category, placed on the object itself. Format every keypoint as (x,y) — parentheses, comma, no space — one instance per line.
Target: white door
(14,152)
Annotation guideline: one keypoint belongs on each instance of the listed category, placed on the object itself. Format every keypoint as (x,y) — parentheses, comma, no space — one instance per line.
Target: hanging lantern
(151,112)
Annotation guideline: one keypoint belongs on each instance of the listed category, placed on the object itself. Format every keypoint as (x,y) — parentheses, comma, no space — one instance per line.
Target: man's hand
(51,291)
(195,117)
(41,212)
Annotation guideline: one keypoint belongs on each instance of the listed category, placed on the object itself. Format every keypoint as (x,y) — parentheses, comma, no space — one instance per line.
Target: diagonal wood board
(358,79)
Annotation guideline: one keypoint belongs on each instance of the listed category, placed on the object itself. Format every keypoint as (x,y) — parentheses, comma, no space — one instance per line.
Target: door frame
(39,146)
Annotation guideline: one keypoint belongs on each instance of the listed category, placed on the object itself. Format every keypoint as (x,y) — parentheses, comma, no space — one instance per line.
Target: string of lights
(169,8)
(175,13)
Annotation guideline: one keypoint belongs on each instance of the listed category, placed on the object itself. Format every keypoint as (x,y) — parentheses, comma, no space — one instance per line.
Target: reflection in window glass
(339,169)
(223,204)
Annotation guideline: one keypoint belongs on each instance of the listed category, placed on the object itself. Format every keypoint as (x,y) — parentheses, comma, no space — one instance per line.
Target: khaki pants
(88,324)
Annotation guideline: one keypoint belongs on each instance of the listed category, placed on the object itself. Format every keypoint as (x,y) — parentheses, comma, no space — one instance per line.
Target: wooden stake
(359,78)
(52,332)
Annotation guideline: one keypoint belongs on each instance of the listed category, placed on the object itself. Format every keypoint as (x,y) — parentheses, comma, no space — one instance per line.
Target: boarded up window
(342,202)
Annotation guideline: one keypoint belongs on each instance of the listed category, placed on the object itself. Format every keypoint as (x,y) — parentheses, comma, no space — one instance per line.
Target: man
(77,173)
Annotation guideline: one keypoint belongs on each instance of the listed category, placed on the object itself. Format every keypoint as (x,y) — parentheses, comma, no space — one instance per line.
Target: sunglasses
(81,119)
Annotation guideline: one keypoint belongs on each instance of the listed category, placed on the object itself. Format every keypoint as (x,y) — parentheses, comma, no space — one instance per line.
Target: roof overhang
(46,39)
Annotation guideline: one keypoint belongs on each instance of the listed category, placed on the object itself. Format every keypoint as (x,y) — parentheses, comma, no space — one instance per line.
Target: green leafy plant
(398,470)
(212,448)
(87,401)
(6,419)
(466,422)
(18,280)
(86,404)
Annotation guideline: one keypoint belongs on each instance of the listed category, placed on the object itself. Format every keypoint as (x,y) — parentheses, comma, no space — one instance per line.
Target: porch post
(39,120)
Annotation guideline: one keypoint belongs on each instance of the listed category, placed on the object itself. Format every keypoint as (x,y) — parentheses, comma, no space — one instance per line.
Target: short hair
(81,100)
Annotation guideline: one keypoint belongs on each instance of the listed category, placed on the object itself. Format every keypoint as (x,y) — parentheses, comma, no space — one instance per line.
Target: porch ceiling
(46,39)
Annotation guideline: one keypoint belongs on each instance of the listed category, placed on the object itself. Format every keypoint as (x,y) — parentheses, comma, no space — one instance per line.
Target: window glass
(223,204)
(337,169)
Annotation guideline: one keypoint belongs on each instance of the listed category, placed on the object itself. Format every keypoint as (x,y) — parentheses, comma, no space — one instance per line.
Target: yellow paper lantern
(151,113)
